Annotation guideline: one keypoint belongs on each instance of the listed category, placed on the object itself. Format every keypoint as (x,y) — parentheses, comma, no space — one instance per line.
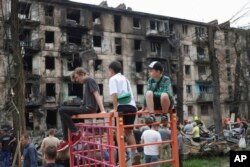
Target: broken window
(228,58)
(187,70)
(51,119)
(152,25)
(75,90)
(25,36)
(28,91)
(137,45)
(74,62)
(49,13)
(101,89)
(189,90)
(50,89)
(27,63)
(117,20)
(136,23)
(24,10)
(184,29)
(186,49)
(138,66)
(74,37)
(49,62)
(98,65)
(73,16)
(97,41)
(96,17)
(139,88)
(49,37)
(29,119)
(226,37)
(202,70)
(155,47)
(204,110)
(229,76)
(49,10)
(118,46)
(199,31)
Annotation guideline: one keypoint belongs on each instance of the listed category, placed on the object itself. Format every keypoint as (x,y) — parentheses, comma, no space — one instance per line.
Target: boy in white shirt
(151,152)
(119,85)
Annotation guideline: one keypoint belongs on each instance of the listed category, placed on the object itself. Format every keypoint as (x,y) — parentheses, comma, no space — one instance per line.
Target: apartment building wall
(133,38)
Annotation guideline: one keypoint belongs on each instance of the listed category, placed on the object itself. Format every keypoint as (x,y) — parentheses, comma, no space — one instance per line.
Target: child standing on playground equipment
(123,101)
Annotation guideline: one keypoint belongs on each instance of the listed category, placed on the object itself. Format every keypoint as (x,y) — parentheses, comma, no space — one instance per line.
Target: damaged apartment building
(57,36)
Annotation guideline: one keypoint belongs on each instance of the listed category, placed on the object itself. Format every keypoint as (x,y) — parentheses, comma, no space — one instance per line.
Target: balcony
(32,46)
(202,58)
(205,97)
(35,101)
(200,39)
(157,34)
(72,48)
(73,25)
(156,55)
(26,20)
(31,78)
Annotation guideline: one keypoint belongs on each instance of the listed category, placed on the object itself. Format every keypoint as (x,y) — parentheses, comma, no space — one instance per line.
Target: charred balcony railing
(73,24)
(202,58)
(72,48)
(205,97)
(152,33)
(200,39)
(32,45)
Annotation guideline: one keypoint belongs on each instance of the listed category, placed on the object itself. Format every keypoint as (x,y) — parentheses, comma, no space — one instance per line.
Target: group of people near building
(158,96)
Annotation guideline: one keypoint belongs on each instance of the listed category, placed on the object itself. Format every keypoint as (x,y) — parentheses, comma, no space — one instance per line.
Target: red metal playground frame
(97,146)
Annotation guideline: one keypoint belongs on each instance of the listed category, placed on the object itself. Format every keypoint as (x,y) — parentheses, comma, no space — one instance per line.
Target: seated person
(159,90)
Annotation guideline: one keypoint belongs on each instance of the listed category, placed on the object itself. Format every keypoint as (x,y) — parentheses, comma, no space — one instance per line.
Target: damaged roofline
(108,9)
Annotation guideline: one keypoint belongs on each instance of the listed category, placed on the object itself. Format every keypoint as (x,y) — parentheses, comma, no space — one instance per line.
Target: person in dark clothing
(6,141)
(29,156)
(181,145)
(50,154)
(91,103)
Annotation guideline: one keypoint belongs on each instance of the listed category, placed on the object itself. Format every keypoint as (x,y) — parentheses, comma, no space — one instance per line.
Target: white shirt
(119,84)
(151,136)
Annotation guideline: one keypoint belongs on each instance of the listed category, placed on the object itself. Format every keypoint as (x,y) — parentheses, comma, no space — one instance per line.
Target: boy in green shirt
(159,90)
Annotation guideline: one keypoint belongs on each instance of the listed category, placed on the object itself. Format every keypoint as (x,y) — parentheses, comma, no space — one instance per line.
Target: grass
(207,162)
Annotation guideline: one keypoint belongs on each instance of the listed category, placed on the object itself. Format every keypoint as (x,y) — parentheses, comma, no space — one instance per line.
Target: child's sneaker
(76,138)
(62,146)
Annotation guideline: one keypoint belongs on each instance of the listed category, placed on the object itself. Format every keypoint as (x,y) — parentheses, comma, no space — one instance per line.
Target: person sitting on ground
(159,90)
(50,154)
(91,102)
(151,152)
(118,85)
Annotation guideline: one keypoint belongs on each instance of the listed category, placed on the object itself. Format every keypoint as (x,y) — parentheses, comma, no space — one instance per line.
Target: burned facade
(58,36)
